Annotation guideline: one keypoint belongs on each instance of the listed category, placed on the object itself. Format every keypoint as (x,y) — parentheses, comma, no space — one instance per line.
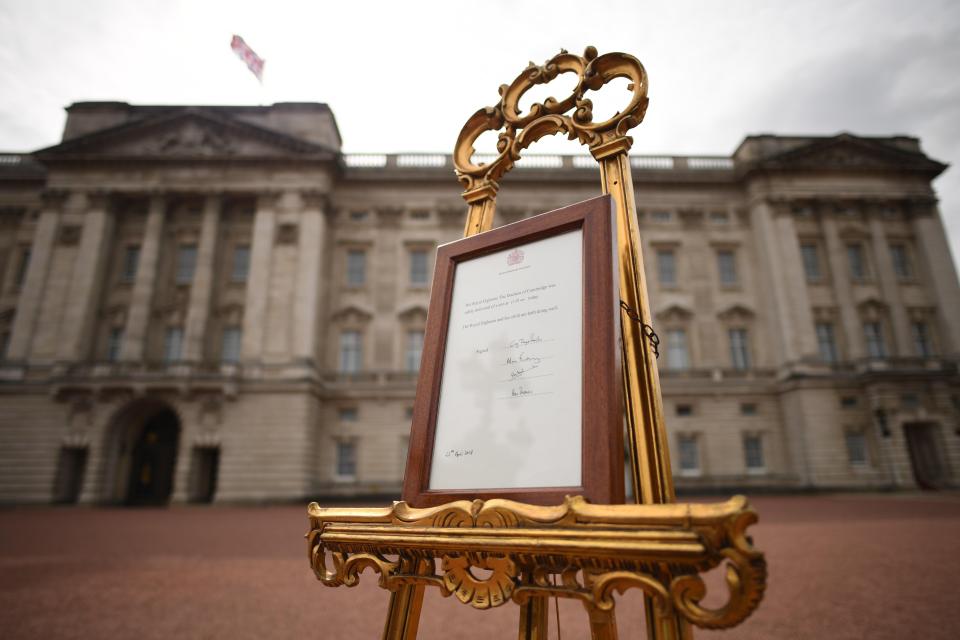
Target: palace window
(411,360)
(873,335)
(727,267)
(856,448)
(921,339)
(404,452)
(811,261)
(666,267)
(131,259)
(186,263)
(356,267)
(678,356)
(22,267)
(857,262)
(114,343)
(748,409)
(753,453)
(230,345)
(173,344)
(901,261)
(418,268)
(739,349)
(240,268)
(719,217)
(684,410)
(660,216)
(351,352)
(346,460)
(347,414)
(689,454)
(826,342)
(849,402)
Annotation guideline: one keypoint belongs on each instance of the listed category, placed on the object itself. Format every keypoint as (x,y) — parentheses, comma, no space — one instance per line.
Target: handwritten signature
(516,373)
(458,453)
(523,358)
(523,342)
(516,392)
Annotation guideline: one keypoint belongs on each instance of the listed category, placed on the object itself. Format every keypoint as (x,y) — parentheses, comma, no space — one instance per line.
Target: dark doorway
(153,460)
(206,463)
(70,470)
(925,455)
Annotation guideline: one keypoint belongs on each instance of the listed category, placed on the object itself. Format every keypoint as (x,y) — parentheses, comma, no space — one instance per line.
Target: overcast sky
(404,76)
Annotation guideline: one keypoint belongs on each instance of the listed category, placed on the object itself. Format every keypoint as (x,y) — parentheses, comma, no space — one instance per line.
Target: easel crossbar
(593,550)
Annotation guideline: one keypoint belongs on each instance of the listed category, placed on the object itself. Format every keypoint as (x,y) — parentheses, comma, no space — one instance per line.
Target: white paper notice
(509,411)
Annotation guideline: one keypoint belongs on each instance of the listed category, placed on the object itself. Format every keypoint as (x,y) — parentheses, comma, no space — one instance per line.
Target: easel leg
(403,615)
(603,624)
(533,618)
(667,626)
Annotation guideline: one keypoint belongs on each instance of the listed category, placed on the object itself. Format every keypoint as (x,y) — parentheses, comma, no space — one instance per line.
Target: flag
(245,53)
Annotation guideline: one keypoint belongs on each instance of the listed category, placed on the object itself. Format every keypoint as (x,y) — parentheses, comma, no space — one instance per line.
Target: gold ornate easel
(575,550)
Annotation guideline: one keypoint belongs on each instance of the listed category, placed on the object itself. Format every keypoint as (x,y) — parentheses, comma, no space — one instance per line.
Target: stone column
(890,287)
(932,238)
(803,339)
(306,301)
(83,300)
(258,279)
(781,269)
(31,295)
(198,311)
(141,299)
(842,290)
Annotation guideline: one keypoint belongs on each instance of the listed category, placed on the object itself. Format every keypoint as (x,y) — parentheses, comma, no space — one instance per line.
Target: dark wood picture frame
(602,457)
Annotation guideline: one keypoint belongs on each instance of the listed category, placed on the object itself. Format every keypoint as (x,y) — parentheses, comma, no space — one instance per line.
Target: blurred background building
(216,304)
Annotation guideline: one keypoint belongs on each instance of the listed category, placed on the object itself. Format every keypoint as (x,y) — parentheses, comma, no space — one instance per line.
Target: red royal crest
(514,257)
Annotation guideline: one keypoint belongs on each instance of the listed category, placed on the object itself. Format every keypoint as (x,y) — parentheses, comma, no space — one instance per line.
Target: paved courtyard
(841,566)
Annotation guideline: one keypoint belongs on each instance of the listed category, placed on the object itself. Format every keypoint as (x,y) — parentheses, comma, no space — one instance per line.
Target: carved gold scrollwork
(518,131)
(480,593)
(575,550)
(746,578)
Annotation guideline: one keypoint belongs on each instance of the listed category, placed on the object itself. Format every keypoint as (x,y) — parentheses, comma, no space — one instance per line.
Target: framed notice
(519,389)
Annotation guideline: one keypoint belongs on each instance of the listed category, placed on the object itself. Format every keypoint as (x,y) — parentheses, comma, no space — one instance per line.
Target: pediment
(413,313)
(736,312)
(848,152)
(872,304)
(352,314)
(186,134)
(674,313)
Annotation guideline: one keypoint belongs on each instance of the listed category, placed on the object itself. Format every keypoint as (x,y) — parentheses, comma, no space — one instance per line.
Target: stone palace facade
(216,304)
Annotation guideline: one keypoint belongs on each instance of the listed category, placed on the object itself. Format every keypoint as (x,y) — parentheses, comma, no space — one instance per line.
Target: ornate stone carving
(192,139)
(69,235)
(287,233)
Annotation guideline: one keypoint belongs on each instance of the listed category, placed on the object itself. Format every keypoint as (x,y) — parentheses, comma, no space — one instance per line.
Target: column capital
(268,199)
(315,199)
(921,206)
(53,198)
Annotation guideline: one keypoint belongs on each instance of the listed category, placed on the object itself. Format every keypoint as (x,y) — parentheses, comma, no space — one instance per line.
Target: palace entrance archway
(926,458)
(146,437)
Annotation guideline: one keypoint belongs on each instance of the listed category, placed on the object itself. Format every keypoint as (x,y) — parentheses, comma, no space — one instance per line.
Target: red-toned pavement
(844,566)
